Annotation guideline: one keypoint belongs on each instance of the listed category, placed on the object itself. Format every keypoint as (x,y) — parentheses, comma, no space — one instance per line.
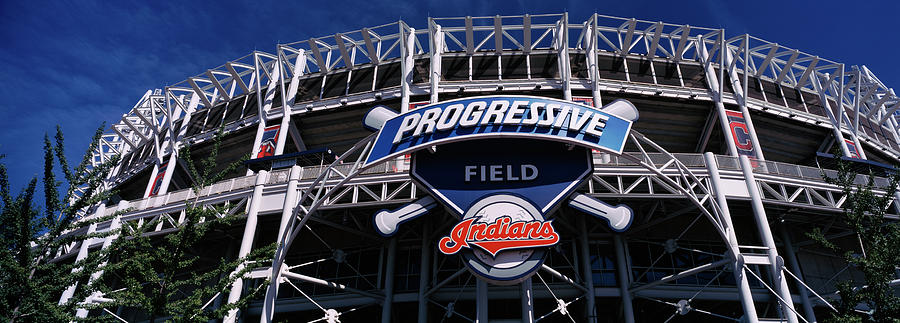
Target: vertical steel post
(175,135)
(712,81)
(835,119)
(260,129)
(740,95)
(247,241)
(424,273)
(153,174)
(285,109)
(740,277)
(765,233)
(562,47)
(115,224)
(481,301)
(170,169)
(290,202)
(287,211)
(855,127)
(82,253)
(586,271)
(591,38)
(264,103)
(795,266)
(527,295)
(437,46)
(407,50)
(623,276)
(389,281)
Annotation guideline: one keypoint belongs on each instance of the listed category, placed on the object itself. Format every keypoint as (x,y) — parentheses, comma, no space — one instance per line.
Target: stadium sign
(503,189)
(499,116)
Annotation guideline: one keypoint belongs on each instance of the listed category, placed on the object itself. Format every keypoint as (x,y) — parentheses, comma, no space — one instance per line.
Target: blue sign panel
(462,173)
(499,116)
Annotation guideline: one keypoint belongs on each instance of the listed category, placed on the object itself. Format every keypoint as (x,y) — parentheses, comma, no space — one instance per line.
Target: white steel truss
(334,71)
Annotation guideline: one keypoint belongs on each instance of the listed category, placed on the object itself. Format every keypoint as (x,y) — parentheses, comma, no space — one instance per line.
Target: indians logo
(502,238)
(503,234)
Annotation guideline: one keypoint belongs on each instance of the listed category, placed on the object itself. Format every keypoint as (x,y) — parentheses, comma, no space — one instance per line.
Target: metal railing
(730,163)
(601,160)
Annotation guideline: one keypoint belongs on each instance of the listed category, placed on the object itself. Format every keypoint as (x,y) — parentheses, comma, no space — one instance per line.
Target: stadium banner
(586,100)
(157,181)
(416,105)
(268,142)
(740,133)
(851,148)
(501,117)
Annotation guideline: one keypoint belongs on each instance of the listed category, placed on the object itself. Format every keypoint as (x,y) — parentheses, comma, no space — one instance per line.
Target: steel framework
(396,61)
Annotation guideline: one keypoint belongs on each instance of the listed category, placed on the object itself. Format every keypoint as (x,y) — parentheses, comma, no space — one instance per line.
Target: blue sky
(79,63)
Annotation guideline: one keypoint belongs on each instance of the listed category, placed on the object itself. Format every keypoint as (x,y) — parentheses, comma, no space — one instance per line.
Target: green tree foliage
(30,281)
(876,256)
(168,277)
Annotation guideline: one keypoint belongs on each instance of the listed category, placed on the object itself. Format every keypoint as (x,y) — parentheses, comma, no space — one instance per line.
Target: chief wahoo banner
(740,133)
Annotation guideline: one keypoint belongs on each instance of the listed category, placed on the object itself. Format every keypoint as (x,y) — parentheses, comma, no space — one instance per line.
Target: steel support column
(260,129)
(437,47)
(715,86)
(175,136)
(263,103)
(287,103)
(389,281)
(115,224)
(481,301)
(527,295)
(290,202)
(765,234)
(247,241)
(586,271)
(795,267)
(591,38)
(740,94)
(622,273)
(835,123)
(170,169)
(82,253)
(424,273)
(740,277)
(407,50)
(149,187)
(562,47)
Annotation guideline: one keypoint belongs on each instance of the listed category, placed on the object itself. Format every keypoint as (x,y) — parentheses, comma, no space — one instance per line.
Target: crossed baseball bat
(619,216)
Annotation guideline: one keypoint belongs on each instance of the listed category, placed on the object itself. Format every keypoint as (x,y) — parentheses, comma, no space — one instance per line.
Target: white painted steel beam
(765,234)
(247,238)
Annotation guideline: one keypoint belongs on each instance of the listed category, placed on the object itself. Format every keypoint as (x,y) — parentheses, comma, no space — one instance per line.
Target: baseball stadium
(552,167)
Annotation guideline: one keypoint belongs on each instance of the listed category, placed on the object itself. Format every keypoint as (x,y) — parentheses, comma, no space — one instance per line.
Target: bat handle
(619,216)
(386,221)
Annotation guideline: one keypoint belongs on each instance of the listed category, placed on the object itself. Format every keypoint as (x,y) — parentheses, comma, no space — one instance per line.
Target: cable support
(332,251)
(114,315)
(810,289)
(307,296)
(783,302)
(693,309)
(449,307)
(561,304)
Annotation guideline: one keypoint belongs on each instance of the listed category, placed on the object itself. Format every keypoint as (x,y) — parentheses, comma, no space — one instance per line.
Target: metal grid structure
(600,58)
